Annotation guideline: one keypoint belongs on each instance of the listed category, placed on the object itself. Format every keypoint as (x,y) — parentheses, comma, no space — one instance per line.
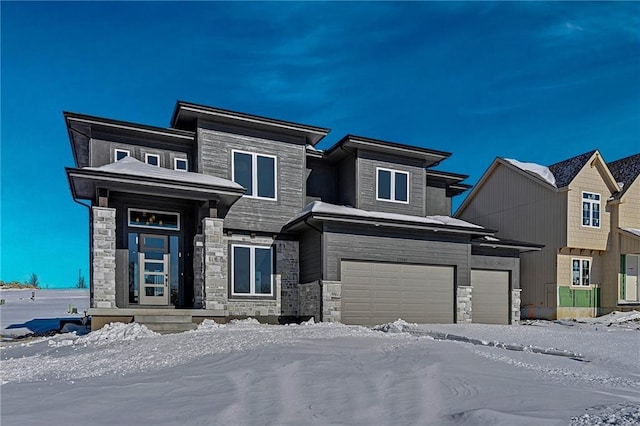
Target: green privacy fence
(578,297)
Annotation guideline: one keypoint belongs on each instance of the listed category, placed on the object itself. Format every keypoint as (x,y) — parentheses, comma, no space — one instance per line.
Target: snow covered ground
(244,373)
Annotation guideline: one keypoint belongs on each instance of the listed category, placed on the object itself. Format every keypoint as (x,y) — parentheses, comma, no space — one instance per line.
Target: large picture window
(590,209)
(581,272)
(257,173)
(251,271)
(392,185)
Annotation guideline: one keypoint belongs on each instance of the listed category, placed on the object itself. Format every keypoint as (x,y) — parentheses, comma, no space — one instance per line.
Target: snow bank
(116,332)
(538,169)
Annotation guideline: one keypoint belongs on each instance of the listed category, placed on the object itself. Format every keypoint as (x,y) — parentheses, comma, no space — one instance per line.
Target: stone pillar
(215,258)
(103,265)
(198,271)
(515,305)
(288,268)
(464,305)
(331,301)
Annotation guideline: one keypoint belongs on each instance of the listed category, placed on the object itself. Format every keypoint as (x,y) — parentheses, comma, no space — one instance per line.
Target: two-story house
(225,215)
(586,218)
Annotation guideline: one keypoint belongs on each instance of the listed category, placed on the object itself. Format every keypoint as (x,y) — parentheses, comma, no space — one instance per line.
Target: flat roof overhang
(186,115)
(303,221)
(85,183)
(494,242)
(431,156)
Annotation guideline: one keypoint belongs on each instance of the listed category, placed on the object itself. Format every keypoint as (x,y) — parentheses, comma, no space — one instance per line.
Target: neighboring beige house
(585,212)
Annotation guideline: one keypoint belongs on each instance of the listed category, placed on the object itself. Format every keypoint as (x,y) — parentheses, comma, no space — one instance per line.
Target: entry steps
(165,324)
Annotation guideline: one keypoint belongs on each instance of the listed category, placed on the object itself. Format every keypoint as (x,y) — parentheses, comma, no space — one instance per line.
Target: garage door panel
(490,296)
(415,293)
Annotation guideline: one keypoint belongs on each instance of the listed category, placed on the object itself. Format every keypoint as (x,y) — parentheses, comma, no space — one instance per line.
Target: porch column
(214,266)
(103,263)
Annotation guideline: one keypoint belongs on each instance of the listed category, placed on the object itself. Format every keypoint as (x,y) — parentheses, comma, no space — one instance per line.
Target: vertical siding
(364,243)
(590,180)
(436,201)
(367,164)
(321,180)
(630,207)
(310,256)
(346,185)
(215,150)
(522,209)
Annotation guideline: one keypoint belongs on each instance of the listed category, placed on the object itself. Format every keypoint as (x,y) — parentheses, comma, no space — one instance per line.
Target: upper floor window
(180,164)
(581,272)
(119,154)
(590,209)
(152,159)
(251,271)
(392,185)
(256,172)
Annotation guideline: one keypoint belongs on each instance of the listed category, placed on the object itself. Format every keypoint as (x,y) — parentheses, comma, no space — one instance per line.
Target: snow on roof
(322,207)
(633,231)
(131,166)
(538,169)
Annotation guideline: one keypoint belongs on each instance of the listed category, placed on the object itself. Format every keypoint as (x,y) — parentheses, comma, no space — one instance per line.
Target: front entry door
(154,269)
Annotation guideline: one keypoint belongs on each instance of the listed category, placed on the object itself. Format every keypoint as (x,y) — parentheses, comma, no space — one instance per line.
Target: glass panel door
(154,270)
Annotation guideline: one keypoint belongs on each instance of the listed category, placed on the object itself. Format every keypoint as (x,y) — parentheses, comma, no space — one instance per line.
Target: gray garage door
(490,300)
(377,293)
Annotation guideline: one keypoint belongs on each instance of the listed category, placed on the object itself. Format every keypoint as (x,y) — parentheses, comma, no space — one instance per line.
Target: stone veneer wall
(515,305)
(215,273)
(331,301)
(198,271)
(310,297)
(214,259)
(103,265)
(464,304)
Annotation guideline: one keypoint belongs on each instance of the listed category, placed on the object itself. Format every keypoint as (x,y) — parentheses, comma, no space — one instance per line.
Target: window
(581,272)
(392,185)
(153,159)
(180,164)
(154,219)
(119,154)
(251,271)
(256,172)
(591,209)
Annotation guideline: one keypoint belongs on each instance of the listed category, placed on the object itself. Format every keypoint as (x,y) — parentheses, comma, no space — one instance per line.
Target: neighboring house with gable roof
(207,219)
(587,220)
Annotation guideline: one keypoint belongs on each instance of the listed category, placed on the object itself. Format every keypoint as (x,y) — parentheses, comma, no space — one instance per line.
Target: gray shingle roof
(566,170)
(625,170)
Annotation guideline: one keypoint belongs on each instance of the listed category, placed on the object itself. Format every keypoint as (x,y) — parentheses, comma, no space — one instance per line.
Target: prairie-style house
(229,215)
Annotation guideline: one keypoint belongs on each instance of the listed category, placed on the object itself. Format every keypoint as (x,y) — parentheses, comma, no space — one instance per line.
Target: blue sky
(535,81)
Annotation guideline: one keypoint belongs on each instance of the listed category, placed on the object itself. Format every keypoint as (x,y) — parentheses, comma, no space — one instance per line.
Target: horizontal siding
(367,164)
(436,202)
(590,180)
(103,152)
(380,245)
(215,150)
(310,256)
(630,207)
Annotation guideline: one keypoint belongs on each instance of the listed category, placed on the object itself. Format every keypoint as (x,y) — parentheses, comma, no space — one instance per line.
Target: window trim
(581,260)
(117,150)
(254,173)
(175,164)
(591,202)
(146,159)
(393,186)
(150,226)
(252,270)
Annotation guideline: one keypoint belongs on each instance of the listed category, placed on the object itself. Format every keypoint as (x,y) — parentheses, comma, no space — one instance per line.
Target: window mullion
(254,174)
(393,186)
(252,270)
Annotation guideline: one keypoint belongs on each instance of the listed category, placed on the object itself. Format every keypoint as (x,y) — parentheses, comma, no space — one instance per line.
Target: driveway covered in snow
(543,373)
